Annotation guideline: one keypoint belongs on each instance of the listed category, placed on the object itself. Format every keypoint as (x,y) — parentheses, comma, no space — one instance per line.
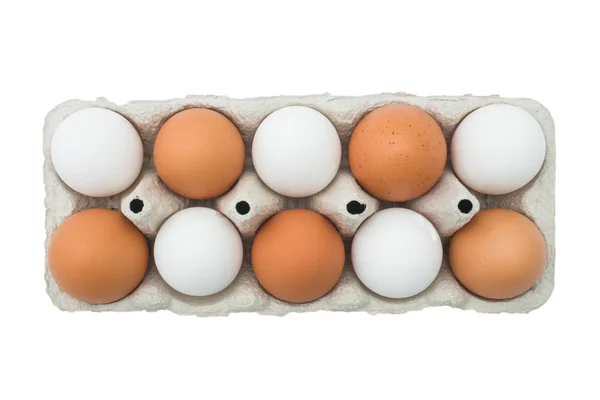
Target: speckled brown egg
(397,152)
(298,256)
(199,153)
(499,254)
(97,256)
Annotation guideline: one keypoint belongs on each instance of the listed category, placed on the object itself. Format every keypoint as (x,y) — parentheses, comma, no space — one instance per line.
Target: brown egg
(298,256)
(498,255)
(199,153)
(97,256)
(397,152)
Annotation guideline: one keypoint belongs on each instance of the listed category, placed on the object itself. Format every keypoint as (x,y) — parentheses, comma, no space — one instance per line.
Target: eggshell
(98,256)
(296,151)
(199,153)
(397,152)
(97,152)
(499,254)
(498,149)
(397,253)
(198,251)
(298,256)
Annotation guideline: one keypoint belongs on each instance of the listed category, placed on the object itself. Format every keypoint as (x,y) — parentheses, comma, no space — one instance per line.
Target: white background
(52,51)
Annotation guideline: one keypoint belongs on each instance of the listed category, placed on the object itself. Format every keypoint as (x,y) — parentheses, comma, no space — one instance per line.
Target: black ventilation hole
(465,206)
(136,206)
(242,207)
(355,208)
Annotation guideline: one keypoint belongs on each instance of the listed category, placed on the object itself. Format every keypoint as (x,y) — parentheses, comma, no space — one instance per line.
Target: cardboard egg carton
(148,203)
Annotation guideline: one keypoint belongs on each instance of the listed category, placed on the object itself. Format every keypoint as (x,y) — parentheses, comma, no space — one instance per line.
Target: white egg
(296,151)
(97,152)
(497,149)
(198,251)
(397,253)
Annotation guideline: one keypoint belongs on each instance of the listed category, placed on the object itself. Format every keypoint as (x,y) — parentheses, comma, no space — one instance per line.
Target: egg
(198,251)
(97,256)
(298,256)
(397,152)
(199,153)
(497,149)
(499,254)
(397,253)
(97,152)
(296,151)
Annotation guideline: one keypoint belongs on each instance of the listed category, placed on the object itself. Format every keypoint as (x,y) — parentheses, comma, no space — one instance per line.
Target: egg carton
(148,203)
